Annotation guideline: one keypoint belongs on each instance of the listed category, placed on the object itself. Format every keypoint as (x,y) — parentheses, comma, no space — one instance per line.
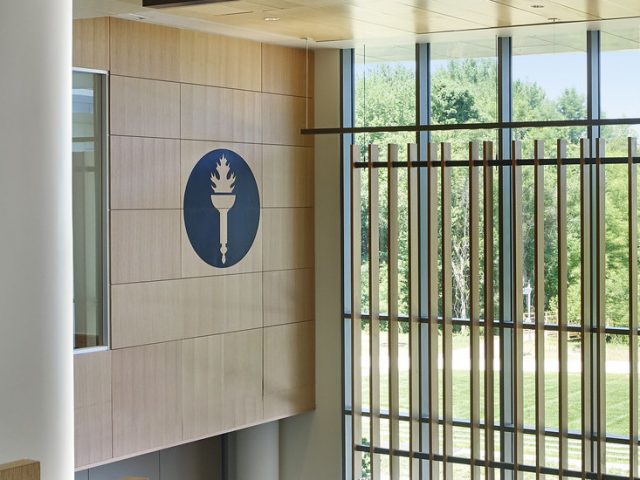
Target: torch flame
(223,180)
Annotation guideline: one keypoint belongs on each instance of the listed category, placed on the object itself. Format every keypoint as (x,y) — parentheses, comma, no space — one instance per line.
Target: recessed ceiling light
(537,5)
(271,19)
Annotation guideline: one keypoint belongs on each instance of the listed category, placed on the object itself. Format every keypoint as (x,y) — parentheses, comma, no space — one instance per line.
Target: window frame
(105,223)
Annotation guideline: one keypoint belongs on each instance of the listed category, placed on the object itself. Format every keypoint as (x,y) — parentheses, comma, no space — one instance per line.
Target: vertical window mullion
(423,110)
(593,113)
(356,317)
(633,308)
(505,253)
(488,310)
(347,113)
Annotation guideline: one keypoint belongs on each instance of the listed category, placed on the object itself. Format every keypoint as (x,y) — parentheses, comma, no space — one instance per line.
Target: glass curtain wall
(561,343)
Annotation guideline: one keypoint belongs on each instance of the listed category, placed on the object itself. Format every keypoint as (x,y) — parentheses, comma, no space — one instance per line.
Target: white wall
(311,444)
(252,453)
(36,390)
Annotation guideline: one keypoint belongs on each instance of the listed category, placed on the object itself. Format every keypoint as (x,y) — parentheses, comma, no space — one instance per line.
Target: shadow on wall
(194,461)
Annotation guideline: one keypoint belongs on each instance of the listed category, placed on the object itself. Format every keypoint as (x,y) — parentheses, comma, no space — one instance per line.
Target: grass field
(617,401)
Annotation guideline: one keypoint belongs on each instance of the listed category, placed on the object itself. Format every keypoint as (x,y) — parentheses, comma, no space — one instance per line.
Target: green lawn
(617,389)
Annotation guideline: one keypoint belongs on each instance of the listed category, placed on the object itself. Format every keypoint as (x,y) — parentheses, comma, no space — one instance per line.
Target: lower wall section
(221,382)
(135,400)
(289,380)
(194,461)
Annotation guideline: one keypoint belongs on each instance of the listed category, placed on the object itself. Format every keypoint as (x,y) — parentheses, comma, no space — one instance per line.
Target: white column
(36,363)
(254,453)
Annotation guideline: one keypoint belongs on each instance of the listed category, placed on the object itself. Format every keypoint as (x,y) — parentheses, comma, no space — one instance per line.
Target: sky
(620,77)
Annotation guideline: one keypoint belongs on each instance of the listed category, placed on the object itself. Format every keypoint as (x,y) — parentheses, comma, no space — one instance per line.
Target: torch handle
(223,234)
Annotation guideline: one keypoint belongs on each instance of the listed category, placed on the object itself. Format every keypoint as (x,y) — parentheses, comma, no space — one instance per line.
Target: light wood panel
(188,357)
(144,173)
(219,61)
(144,108)
(242,403)
(282,118)
(92,408)
(20,470)
(288,296)
(202,385)
(221,382)
(287,176)
(145,245)
(144,50)
(192,151)
(288,71)
(162,311)
(146,397)
(288,238)
(289,371)
(91,43)
(212,113)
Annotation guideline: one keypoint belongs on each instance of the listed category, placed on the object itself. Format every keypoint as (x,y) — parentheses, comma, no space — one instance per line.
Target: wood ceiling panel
(604,8)
(360,20)
(487,12)
(551,10)
(408,18)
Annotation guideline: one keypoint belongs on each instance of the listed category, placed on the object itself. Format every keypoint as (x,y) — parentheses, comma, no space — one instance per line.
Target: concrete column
(36,316)
(253,453)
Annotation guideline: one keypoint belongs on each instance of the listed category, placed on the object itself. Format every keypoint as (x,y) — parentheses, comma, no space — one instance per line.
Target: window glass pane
(619,67)
(549,76)
(385,86)
(464,82)
(88,208)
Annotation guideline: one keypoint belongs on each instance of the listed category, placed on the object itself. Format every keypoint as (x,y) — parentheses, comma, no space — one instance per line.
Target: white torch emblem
(222,183)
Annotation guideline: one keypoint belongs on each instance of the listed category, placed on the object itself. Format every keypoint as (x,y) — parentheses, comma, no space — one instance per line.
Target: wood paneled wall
(197,350)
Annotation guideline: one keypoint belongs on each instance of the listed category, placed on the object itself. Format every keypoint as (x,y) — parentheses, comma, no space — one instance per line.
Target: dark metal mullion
(593,113)
(488,311)
(474,283)
(347,114)
(600,310)
(423,117)
(632,174)
(474,126)
(505,252)
(506,163)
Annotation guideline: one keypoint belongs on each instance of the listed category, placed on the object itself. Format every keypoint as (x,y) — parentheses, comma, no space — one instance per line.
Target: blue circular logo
(221,208)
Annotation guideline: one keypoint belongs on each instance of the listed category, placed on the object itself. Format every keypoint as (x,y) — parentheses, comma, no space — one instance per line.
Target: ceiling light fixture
(553,19)
(537,5)
(271,19)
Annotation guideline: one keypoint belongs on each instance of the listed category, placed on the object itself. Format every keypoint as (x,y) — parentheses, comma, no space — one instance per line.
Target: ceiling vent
(177,3)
